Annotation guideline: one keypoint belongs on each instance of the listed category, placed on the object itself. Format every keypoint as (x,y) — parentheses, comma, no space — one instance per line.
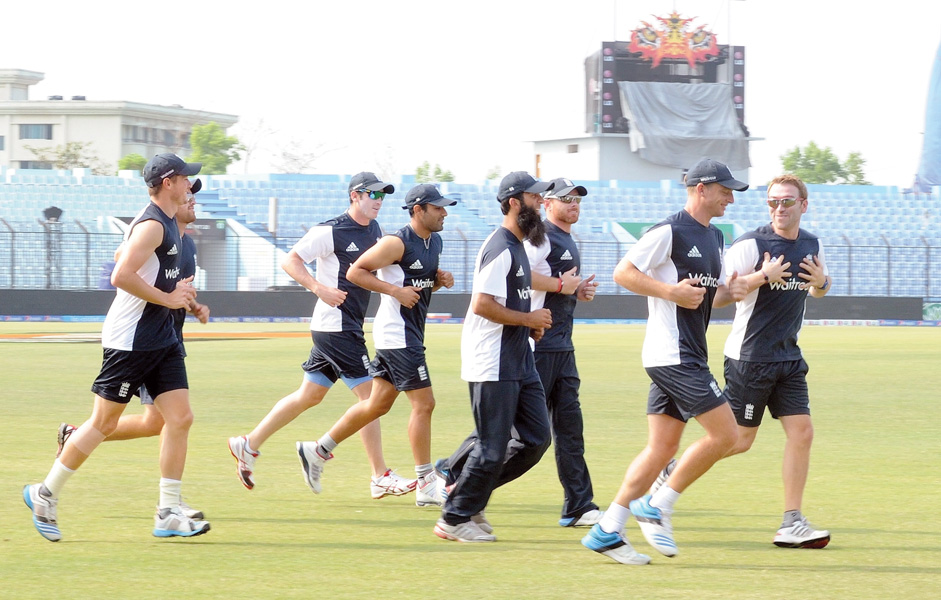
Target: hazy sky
(385,85)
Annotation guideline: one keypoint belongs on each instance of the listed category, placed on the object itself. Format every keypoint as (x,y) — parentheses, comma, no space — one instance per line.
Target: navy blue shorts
(123,372)
(779,386)
(338,354)
(405,368)
(683,391)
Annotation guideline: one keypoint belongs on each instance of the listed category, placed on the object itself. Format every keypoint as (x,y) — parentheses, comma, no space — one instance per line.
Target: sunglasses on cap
(374,195)
(785,202)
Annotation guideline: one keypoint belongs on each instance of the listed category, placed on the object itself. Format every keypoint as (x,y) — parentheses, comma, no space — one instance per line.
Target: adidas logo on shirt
(172,251)
(520,272)
(352,248)
(566,256)
(415,265)
(694,253)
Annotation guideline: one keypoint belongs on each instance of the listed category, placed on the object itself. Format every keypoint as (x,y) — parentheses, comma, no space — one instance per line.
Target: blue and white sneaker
(655,525)
(586,519)
(614,546)
(44,512)
(171,522)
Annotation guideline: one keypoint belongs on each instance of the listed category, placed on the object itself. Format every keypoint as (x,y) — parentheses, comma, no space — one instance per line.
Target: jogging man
(406,267)
(140,347)
(781,264)
(336,327)
(507,399)
(677,264)
(150,422)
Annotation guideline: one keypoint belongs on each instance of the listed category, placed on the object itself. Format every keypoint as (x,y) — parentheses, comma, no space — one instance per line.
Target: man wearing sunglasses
(764,367)
(678,265)
(403,267)
(558,286)
(336,327)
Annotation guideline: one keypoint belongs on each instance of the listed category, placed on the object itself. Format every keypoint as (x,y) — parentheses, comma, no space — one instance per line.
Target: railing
(71,256)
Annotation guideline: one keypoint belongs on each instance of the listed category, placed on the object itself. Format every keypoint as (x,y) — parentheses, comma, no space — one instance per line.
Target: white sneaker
(312,464)
(65,430)
(482,522)
(663,477)
(586,519)
(801,535)
(463,532)
(656,526)
(430,491)
(613,545)
(390,484)
(244,460)
(44,512)
(171,522)
(190,512)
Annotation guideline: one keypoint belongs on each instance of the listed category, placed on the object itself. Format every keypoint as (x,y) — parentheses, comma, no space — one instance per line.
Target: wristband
(560,286)
(826,284)
(766,276)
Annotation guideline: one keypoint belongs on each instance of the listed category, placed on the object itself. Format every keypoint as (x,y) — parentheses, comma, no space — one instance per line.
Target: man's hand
(407,296)
(688,294)
(738,287)
(586,289)
(814,276)
(540,319)
(444,279)
(570,281)
(332,296)
(200,311)
(776,269)
(182,294)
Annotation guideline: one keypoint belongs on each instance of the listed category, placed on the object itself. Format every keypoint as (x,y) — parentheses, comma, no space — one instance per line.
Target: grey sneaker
(312,464)
(171,522)
(44,512)
(663,476)
(467,531)
(801,535)
(191,512)
(482,522)
(430,491)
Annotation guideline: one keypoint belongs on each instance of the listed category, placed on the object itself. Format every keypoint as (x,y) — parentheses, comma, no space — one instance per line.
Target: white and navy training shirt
(335,245)
(768,321)
(396,326)
(491,351)
(675,249)
(557,255)
(133,323)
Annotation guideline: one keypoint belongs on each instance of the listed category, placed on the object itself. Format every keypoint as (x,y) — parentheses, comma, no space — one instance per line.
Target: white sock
(614,518)
(57,477)
(169,493)
(325,446)
(665,498)
(422,470)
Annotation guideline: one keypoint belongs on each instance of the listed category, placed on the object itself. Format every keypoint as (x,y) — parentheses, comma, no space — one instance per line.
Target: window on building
(35,164)
(35,132)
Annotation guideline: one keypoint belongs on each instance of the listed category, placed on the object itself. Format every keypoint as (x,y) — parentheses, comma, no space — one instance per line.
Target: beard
(530,223)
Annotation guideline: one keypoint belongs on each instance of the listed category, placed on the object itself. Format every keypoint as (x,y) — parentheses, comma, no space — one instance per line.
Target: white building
(113,128)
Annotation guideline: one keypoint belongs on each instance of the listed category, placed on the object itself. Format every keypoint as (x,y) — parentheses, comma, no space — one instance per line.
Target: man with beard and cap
(336,328)
(678,265)
(150,422)
(507,399)
(403,267)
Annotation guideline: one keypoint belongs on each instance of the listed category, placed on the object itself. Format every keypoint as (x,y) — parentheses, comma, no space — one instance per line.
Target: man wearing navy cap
(507,399)
(678,265)
(336,327)
(140,347)
(406,270)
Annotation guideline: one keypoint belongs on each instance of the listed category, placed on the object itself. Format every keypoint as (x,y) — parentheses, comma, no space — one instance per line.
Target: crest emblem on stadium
(673,41)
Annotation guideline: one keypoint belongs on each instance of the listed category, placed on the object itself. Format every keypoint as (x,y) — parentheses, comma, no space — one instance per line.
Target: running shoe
(655,525)
(586,519)
(390,484)
(613,545)
(171,522)
(65,430)
(44,511)
(801,535)
(467,531)
(312,464)
(244,460)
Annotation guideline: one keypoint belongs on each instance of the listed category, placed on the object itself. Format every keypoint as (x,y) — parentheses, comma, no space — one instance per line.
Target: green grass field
(874,483)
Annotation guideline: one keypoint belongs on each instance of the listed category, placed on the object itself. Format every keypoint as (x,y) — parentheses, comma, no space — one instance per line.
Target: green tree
(425,174)
(493,173)
(132,162)
(212,147)
(73,155)
(814,164)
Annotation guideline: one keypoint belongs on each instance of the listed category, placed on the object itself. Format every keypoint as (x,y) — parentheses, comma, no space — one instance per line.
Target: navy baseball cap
(166,165)
(368,182)
(426,193)
(564,187)
(711,171)
(521,181)
(196,186)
